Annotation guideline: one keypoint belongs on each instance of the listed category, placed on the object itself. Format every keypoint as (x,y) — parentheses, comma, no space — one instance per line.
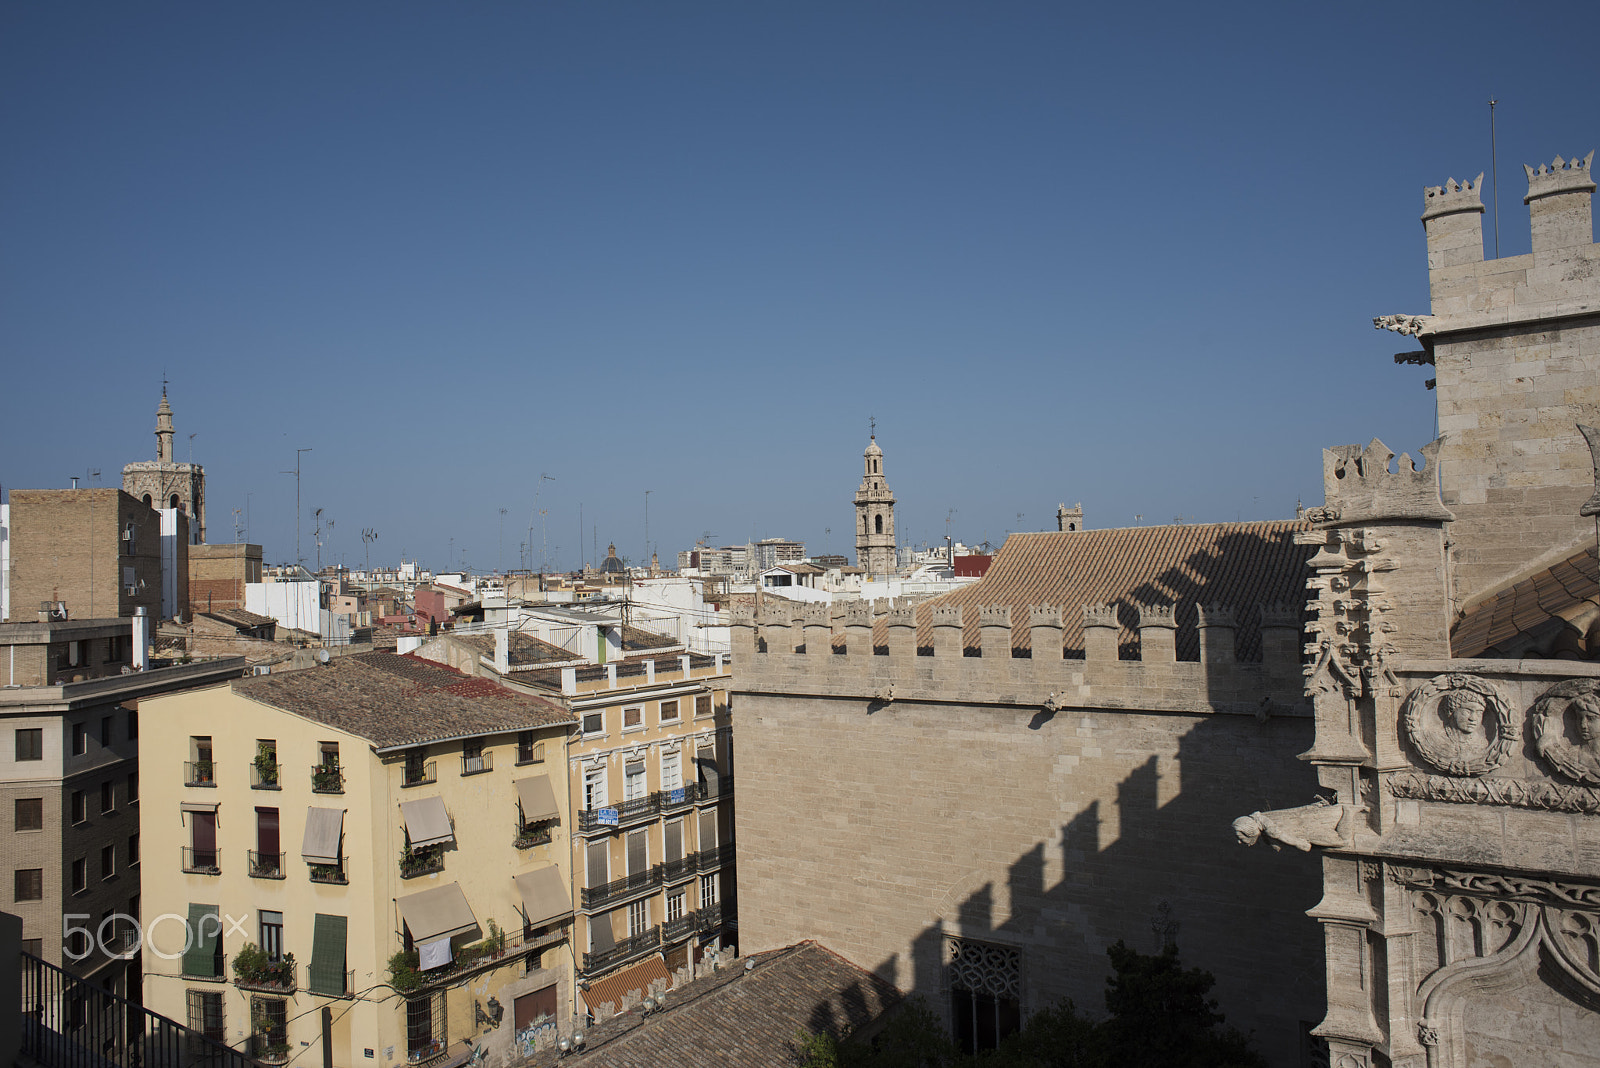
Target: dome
(611,565)
(872,447)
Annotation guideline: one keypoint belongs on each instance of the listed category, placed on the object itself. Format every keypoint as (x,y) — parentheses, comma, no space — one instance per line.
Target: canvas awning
(328,955)
(324,829)
(427,822)
(538,799)
(442,912)
(544,895)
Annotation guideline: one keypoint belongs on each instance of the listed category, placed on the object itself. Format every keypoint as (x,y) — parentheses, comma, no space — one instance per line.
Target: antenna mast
(1494,179)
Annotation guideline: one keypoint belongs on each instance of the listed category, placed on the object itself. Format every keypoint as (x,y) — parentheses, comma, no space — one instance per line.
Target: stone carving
(1427,1033)
(1521,793)
(1055,702)
(1581,697)
(1592,436)
(1318,824)
(1460,724)
(884,696)
(1404,324)
(1510,887)
(1322,514)
(1357,481)
(1330,674)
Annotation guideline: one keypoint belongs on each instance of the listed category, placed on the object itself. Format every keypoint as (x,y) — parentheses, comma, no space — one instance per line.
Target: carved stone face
(1587,708)
(1463,711)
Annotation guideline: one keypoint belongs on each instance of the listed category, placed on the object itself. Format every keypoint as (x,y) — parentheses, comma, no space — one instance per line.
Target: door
(204,827)
(530,1007)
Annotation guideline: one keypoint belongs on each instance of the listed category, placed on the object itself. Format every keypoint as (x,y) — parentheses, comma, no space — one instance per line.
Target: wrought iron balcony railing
(202,861)
(266,865)
(419,774)
(327,779)
(624,950)
(593,897)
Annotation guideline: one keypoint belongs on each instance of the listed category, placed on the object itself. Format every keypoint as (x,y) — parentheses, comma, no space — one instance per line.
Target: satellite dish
(322,656)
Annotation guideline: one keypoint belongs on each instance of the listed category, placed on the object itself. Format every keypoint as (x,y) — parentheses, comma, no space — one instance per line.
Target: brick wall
(66,545)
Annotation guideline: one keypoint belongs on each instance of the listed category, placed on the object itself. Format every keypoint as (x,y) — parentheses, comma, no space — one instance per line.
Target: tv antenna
(1494,179)
(369,536)
(298,559)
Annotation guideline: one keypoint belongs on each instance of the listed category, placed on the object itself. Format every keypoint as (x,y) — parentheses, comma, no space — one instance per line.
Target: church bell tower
(875,552)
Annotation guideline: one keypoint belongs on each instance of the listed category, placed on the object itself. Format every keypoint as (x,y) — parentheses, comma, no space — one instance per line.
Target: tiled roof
(1553,612)
(395,700)
(238,617)
(636,639)
(625,983)
(1238,564)
(521,649)
(734,1018)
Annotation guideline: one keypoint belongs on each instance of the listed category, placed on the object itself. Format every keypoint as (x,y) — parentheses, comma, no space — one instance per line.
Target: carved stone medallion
(1460,724)
(1575,753)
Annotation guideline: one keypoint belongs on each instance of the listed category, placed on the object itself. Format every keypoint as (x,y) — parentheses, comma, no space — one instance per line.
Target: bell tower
(166,482)
(875,547)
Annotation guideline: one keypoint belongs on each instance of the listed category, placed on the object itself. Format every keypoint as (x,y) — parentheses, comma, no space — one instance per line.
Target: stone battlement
(1452,197)
(1560,176)
(783,655)
(1360,488)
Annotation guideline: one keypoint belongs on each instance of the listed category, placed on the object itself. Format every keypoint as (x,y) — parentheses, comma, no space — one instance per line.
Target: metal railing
(715,857)
(266,776)
(68,1022)
(624,950)
(478,764)
(202,861)
(266,865)
(349,981)
(327,779)
(419,775)
(421,862)
(217,974)
(607,893)
(273,977)
(199,773)
(329,873)
(538,834)
(682,927)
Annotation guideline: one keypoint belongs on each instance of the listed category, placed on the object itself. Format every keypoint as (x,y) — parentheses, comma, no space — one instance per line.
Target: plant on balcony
(327,778)
(533,834)
(252,967)
(266,864)
(202,771)
(327,873)
(405,973)
(266,765)
(416,860)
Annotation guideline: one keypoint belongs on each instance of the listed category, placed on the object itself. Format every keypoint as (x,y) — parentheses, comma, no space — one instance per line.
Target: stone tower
(1069,518)
(166,483)
(874,516)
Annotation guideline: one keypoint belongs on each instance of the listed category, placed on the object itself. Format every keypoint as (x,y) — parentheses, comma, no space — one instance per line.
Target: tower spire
(164,429)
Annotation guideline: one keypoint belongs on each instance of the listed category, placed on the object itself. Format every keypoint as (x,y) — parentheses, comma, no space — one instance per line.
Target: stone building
(1455,676)
(974,796)
(875,546)
(98,551)
(165,483)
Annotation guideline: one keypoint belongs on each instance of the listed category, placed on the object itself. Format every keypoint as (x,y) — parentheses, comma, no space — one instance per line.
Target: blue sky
(1127,256)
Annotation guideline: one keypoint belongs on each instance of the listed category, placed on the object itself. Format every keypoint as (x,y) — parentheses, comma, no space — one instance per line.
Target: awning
(442,912)
(427,822)
(327,955)
(200,958)
(538,800)
(324,828)
(626,983)
(544,895)
(197,806)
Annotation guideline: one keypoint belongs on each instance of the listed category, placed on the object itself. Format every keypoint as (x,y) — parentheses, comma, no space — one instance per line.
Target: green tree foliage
(1160,1017)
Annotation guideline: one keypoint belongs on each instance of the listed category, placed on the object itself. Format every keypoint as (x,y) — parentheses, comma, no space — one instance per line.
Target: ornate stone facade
(166,483)
(875,546)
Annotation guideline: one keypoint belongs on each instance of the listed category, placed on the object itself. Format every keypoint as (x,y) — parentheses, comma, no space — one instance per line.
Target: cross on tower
(872,425)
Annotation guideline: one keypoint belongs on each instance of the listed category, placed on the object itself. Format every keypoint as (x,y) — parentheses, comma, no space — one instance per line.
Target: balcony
(673,800)
(477,763)
(266,865)
(710,791)
(426,861)
(628,812)
(348,980)
(681,868)
(713,858)
(624,950)
(629,885)
(202,861)
(419,774)
(219,973)
(327,779)
(265,776)
(534,835)
(262,975)
(329,873)
(709,918)
(679,929)
(199,773)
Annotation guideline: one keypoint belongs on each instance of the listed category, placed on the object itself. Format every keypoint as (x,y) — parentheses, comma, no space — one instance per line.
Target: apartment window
(272,934)
(673,833)
(105,731)
(205,1014)
(202,841)
(133,724)
(133,906)
(108,797)
(671,771)
(633,785)
(675,905)
(34,947)
(638,852)
(594,788)
(133,787)
(30,885)
(29,814)
(632,717)
(702,705)
(594,723)
(529,751)
(269,1019)
(80,875)
(80,739)
(133,850)
(472,757)
(708,890)
(30,743)
(201,768)
(638,918)
(80,808)
(669,711)
(108,861)
(599,863)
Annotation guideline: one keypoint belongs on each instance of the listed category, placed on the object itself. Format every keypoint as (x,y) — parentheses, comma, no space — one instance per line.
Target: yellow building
(360,863)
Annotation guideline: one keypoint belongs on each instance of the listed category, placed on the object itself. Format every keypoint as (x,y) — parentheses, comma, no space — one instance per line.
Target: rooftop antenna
(191,448)
(238,525)
(501,564)
(1494,179)
(298,560)
(369,536)
(95,474)
(647,525)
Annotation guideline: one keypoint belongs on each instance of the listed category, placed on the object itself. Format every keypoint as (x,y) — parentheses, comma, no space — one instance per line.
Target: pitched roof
(238,617)
(1554,611)
(521,649)
(736,1018)
(395,700)
(1239,564)
(636,639)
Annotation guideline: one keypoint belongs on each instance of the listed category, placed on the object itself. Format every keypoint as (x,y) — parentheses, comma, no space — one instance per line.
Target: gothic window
(985,983)
(878,523)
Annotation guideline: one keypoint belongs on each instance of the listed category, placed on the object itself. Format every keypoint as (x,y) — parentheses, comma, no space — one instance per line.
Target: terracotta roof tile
(1239,564)
(1568,590)
(521,649)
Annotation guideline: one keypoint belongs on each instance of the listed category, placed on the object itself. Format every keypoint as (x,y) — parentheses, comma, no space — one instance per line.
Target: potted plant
(266,765)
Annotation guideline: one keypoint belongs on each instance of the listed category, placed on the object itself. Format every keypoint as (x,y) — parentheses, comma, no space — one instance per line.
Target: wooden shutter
(638,851)
(267,841)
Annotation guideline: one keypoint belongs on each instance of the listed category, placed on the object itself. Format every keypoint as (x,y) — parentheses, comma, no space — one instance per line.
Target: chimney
(1559,203)
(502,650)
(141,638)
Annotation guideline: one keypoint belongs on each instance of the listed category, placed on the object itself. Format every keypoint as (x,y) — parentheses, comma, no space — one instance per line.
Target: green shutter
(327,955)
(204,928)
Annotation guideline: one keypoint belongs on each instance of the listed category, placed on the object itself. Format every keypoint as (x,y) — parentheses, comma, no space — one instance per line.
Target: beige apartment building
(371,858)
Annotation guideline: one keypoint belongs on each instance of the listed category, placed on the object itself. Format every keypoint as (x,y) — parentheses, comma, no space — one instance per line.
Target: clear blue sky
(1120,254)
